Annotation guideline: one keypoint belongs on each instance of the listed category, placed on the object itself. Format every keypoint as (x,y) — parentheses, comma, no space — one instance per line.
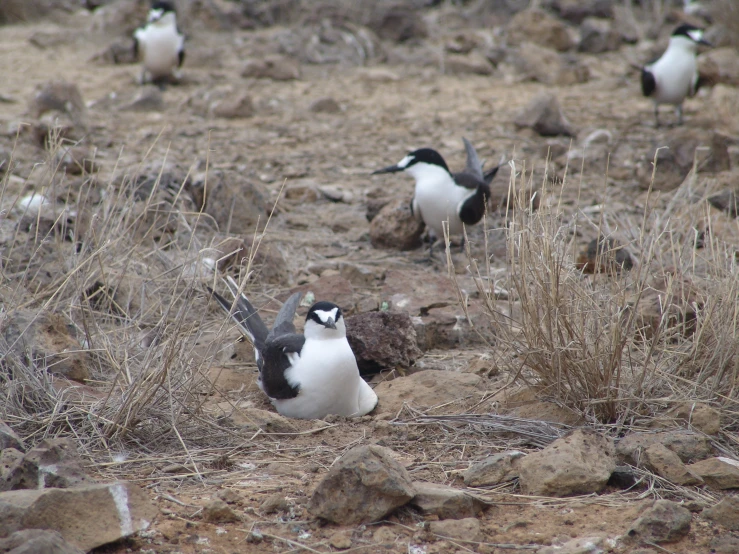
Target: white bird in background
(160,45)
(306,376)
(674,76)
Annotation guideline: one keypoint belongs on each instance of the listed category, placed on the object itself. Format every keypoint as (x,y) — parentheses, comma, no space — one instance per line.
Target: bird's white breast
(160,46)
(329,381)
(438,198)
(675,73)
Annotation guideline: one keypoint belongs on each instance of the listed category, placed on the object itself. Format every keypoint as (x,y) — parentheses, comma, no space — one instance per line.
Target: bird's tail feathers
(243,313)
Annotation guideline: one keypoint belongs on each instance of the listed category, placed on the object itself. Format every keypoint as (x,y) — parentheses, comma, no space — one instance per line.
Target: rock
(597,36)
(341,540)
(467,529)
(394,227)
(689,446)
(581,462)
(365,485)
(274,503)
(665,521)
(267,263)
(724,544)
(725,513)
(494,470)
(544,115)
(623,477)
(540,27)
(325,105)
(426,389)
(275,67)
(148,98)
(37,541)
(9,439)
(43,339)
(16,472)
(544,65)
(720,65)
(446,502)
(580,545)
(625,23)
(76,160)
(254,418)
(718,473)
(58,464)
(399,23)
(575,11)
(723,101)
(665,463)
(235,204)
(699,416)
(467,64)
(671,300)
(604,255)
(234,107)
(109,512)
(219,511)
(382,340)
(59,96)
(726,201)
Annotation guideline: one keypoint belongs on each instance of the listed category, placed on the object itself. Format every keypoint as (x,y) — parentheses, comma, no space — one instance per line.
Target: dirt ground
(385,111)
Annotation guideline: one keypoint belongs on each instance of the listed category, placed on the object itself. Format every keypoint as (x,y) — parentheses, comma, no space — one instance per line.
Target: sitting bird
(459,198)
(160,45)
(674,76)
(306,376)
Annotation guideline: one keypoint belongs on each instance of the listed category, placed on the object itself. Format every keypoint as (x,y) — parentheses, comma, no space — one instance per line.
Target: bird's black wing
(467,180)
(648,83)
(276,356)
(472,209)
(490,174)
(181,57)
(245,315)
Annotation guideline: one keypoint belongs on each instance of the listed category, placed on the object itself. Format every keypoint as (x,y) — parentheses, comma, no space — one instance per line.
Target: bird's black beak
(330,324)
(704,42)
(389,169)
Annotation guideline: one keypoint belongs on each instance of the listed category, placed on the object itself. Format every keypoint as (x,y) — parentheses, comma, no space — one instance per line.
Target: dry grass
(618,346)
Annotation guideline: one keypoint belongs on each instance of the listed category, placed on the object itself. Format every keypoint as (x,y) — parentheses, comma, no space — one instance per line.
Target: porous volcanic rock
(394,227)
(665,463)
(539,26)
(544,115)
(718,473)
(494,469)
(446,502)
(37,541)
(665,521)
(725,513)
(382,340)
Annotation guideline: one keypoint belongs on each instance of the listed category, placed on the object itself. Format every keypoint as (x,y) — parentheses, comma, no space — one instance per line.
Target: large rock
(365,485)
(720,65)
(665,463)
(540,27)
(544,115)
(86,517)
(9,439)
(546,66)
(494,470)
(45,338)
(689,446)
(597,36)
(394,227)
(718,473)
(37,541)
(53,463)
(398,23)
(576,11)
(16,472)
(426,389)
(725,513)
(698,415)
(382,340)
(581,462)
(665,521)
(446,502)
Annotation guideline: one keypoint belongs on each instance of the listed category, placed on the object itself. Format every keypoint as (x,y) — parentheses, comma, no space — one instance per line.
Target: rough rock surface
(63,510)
(701,417)
(581,462)
(665,521)
(446,502)
(688,445)
(540,27)
(544,115)
(365,485)
(219,511)
(718,473)
(236,205)
(426,389)
(495,469)
(468,529)
(37,541)
(382,340)
(598,35)
(395,227)
(9,438)
(725,513)
(665,463)
(52,463)
(546,66)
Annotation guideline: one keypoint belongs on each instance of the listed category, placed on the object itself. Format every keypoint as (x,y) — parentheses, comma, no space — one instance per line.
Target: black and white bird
(459,198)
(160,45)
(674,76)
(306,376)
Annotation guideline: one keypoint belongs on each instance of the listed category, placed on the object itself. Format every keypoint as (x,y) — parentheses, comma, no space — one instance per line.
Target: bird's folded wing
(243,313)
(279,354)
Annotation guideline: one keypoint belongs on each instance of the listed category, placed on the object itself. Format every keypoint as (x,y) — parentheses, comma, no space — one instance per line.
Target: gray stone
(581,462)
(576,11)
(467,64)
(148,98)
(16,472)
(720,66)
(665,463)
(597,36)
(59,465)
(218,511)
(467,529)
(382,340)
(725,513)
(365,485)
(494,470)
(37,541)
(724,544)
(688,445)
(325,105)
(9,438)
(87,517)
(275,67)
(718,473)
(698,415)
(238,106)
(425,389)
(665,521)
(394,227)
(544,115)
(544,65)
(446,502)
(540,27)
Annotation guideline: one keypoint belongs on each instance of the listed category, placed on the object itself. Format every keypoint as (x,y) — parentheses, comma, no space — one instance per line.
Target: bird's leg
(656,115)
(679,111)
(462,244)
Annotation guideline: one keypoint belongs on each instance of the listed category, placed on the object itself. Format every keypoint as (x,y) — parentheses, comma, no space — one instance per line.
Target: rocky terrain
(565,383)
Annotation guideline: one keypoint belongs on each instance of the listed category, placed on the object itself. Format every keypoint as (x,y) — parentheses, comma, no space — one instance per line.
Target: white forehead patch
(324,315)
(155,14)
(696,35)
(405,161)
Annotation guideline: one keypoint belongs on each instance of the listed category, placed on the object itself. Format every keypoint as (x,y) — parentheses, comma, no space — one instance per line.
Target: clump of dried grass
(591,342)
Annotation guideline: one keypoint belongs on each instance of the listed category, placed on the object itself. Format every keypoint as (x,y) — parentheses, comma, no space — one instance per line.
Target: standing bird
(460,198)
(674,76)
(306,376)
(160,45)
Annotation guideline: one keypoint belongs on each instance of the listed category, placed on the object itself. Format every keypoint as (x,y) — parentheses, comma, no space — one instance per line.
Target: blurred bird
(306,376)
(674,76)
(160,45)
(459,198)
